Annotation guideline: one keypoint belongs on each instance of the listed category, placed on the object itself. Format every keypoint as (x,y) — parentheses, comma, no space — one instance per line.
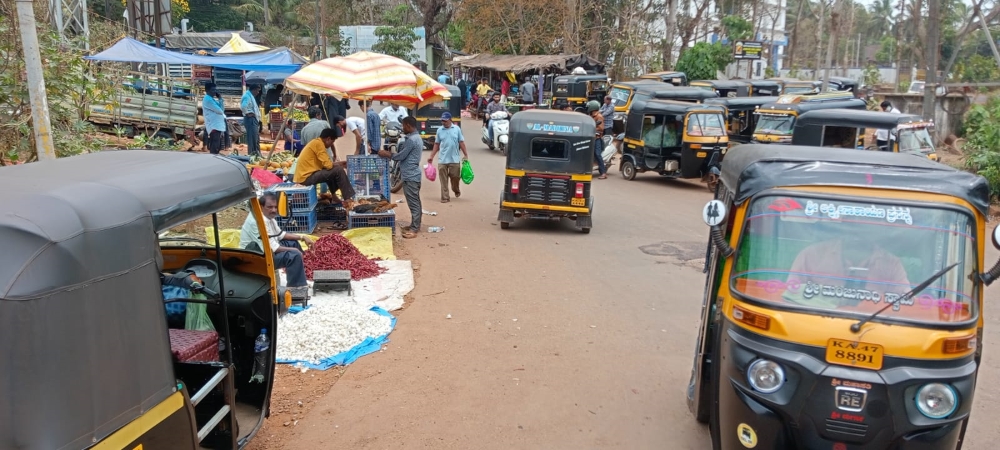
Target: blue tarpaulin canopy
(131,50)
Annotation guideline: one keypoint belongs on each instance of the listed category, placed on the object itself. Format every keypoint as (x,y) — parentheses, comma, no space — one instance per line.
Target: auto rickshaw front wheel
(628,169)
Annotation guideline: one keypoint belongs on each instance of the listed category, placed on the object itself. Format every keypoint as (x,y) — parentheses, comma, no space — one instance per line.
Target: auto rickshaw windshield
(619,96)
(798,90)
(915,140)
(706,124)
(781,124)
(853,258)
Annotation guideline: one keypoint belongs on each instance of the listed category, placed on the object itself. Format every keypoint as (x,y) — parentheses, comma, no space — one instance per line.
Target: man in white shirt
(883,137)
(356,125)
(286,247)
(394,113)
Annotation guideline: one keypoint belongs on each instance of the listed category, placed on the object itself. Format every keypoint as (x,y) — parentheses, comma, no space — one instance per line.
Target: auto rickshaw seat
(194,345)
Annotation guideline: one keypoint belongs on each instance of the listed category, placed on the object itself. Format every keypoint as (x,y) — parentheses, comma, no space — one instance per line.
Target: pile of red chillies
(335,252)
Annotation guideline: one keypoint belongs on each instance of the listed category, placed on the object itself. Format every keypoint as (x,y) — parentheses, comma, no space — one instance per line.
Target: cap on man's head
(446,116)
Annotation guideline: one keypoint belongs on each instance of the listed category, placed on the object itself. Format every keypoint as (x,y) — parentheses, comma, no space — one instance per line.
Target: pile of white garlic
(327,329)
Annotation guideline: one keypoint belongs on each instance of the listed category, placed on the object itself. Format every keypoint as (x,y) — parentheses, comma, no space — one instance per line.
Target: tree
(702,61)
(397,37)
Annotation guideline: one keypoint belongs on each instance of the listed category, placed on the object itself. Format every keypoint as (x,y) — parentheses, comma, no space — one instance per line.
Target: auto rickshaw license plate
(854,354)
(578,202)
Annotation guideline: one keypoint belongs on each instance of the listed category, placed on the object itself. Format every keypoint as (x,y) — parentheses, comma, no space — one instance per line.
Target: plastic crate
(372,220)
(298,222)
(369,175)
(326,213)
(300,198)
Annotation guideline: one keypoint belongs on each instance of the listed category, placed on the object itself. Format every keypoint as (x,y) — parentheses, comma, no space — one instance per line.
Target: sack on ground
(467,175)
(430,172)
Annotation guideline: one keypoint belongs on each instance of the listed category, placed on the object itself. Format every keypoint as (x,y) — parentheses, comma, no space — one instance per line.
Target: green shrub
(982,144)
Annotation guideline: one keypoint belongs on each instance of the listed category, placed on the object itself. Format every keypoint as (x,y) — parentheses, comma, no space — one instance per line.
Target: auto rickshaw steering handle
(188,280)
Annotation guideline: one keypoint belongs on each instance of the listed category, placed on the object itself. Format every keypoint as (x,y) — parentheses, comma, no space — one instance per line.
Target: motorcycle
(390,142)
(612,146)
(501,127)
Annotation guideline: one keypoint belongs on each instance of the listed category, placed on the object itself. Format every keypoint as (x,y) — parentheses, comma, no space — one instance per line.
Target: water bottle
(260,347)
(435,229)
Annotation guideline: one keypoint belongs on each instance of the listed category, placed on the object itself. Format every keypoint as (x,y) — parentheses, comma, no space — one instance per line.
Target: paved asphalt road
(558,340)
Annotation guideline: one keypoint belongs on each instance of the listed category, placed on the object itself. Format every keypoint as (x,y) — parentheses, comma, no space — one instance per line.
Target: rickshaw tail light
(751,318)
(960,345)
(579,190)
(515,185)
(695,146)
(423,125)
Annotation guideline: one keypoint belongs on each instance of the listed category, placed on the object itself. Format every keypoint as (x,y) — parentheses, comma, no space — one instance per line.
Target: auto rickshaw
(672,77)
(842,84)
(843,301)
(577,90)
(791,86)
(764,88)
(725,88)
(94,359)
(660,91)
(742,115)
(777,120)
(847,129)
(674,139)
(622,92)
(550,165)
(429,116)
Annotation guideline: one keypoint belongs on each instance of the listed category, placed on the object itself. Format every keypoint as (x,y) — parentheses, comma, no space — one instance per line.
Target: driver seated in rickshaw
(286,247)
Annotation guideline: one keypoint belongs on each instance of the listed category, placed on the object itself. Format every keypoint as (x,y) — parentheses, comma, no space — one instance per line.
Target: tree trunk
(819,41)
(831,43)
(670,35)
(793,45)
(899,47)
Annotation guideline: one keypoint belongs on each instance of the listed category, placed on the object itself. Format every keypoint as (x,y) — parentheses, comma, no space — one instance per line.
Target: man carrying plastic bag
(449,141)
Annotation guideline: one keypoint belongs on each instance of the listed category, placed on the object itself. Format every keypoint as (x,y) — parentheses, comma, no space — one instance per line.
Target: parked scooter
(390,142)
(612,146)
(500,121)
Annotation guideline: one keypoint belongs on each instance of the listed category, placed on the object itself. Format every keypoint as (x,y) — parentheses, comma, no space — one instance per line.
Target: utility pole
(267,14)
(36,81)
(899,48)
(834,28)
(819,43)
(932,55)
(322,27)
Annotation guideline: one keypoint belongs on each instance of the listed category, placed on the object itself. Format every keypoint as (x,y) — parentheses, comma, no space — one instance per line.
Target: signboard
(201,73)
(747,49)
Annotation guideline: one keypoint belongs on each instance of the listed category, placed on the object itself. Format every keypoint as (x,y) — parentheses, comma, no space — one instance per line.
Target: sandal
(409,234)
(603,177)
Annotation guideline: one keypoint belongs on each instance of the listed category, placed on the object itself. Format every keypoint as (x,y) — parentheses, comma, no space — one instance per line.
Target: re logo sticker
(746,435)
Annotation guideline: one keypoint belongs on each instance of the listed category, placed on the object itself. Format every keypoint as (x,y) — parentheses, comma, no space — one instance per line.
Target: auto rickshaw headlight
(936,400)
(765,376)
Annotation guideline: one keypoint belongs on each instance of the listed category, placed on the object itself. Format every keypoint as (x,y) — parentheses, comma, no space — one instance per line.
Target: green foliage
(979,68)
(737,28)
(703,60)
(886,51)
(982,145)
(142,141)
(793,72)
(397,37)
(872,77)
(209,16)
(769,72)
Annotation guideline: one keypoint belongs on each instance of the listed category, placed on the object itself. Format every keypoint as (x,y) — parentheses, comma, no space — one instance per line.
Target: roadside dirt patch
(687,254)
(293,397)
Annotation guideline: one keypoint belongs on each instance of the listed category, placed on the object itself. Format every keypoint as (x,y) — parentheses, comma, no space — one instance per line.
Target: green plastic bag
(196,317)
(467,174)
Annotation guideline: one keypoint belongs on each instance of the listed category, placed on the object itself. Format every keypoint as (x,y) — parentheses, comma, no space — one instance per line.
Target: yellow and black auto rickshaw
(847,128)
(674,139)
(672,77)
(742,115)
(577,90)
(550,165)
(98,355)
(764,88)
(622,93)
(842,84)
(725,88)
(777,120)
(658,91)
(793,86)
(843,301)
(429,116)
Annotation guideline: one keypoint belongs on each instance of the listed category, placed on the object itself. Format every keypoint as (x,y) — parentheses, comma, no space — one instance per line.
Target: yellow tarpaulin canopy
(239,45)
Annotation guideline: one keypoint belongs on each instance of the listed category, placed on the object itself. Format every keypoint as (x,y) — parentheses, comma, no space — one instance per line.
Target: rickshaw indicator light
(960,345)
(579,190)
(936,400)
(515,185)
(751,318)
(765,376)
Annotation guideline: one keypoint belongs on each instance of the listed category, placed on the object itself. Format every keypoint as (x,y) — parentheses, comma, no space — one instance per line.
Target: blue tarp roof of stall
(131,50)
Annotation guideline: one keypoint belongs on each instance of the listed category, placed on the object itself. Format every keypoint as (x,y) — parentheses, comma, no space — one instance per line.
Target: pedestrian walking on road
(215,118)
(248,104)
(608,112)
(449,141)
(373,127)
(408,156)
(595,111)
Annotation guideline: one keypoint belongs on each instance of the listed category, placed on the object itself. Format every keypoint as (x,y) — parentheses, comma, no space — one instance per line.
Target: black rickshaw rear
(577,90)
(672,77)
(725,88)
(429,116)
(846,128)
(742,115)
(549,168)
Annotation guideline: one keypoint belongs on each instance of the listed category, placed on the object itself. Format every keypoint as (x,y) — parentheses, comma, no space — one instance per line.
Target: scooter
(501,127)
(390,142)
(612,146)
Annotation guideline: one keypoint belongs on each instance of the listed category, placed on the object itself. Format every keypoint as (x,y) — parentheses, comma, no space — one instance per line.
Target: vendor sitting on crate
(315,166)
(286,247)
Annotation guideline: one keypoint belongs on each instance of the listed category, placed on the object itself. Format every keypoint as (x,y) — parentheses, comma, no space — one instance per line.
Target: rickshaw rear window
(549,149)
(562,88)
(619,96)
(853,258)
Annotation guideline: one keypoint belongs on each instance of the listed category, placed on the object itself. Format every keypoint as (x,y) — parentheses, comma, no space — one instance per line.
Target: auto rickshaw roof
(854,118)
(635,84)
(723,84)
(762,82)
(816,102)
(672,107)
(666,91)
(741,102)
(788,81)
(662,75)
(575,78)
(754,168)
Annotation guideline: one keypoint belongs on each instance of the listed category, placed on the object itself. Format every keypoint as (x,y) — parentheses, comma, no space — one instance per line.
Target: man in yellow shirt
(314,166)
(483,88)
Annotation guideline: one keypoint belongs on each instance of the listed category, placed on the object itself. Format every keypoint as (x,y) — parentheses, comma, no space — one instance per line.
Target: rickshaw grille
(538,189)
(845,428)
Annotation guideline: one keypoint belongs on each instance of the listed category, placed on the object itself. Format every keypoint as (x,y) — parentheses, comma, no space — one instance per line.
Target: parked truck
(149,104)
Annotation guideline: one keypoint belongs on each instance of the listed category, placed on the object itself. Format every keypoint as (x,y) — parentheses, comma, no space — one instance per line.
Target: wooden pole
(41,125)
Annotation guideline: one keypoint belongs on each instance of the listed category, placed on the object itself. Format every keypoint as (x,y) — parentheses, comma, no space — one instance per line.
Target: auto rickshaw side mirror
(991,275)
(713,215)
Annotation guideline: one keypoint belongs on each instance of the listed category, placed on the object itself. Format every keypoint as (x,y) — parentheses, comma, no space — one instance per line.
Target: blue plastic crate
(300,198)
(372,220)
(335,213)
(298,222)
(369,175)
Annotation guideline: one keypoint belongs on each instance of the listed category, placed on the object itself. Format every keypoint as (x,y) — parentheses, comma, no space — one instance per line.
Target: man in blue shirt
(444,78)
(215,118)
(373,127)
(449,141)
(248,104)
(408,157)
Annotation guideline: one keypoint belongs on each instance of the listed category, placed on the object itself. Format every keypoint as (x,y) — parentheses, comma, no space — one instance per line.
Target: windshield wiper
(857,327)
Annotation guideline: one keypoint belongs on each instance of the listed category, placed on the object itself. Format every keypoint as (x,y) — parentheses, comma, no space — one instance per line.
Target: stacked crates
(369,175)
(301,205)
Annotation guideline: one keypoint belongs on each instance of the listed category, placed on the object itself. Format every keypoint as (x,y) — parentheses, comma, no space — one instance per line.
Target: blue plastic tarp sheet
(131,50)
(368,346)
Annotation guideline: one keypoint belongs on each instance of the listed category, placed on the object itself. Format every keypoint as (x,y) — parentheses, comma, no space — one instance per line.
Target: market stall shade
(239,45)
(368,76)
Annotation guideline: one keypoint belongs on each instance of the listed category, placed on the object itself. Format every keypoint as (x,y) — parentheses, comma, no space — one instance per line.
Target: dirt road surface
(556,339)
